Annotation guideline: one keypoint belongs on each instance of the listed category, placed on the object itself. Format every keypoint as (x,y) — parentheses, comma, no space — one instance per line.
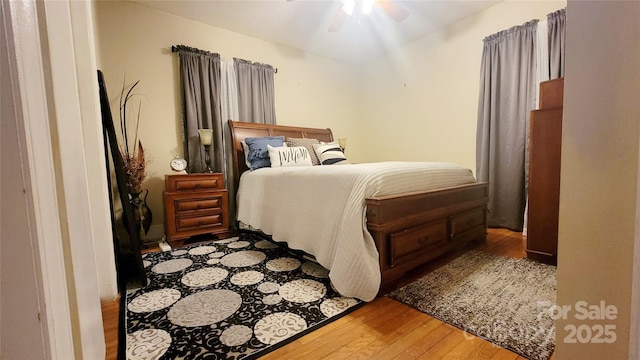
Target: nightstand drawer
(213,203)
(188,223)
(194,182)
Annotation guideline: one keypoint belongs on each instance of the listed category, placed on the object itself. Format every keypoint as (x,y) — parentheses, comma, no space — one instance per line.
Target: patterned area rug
(506,301)
(237,298)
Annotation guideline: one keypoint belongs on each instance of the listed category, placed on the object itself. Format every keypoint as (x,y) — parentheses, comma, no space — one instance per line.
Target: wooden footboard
(411,229)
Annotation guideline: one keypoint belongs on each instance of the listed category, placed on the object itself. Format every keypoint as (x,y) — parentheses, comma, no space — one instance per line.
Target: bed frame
(409,229)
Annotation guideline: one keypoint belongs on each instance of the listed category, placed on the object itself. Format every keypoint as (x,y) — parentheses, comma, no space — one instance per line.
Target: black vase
(141,212)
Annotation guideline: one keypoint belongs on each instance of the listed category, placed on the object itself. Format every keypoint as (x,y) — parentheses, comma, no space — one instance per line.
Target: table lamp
(206,139)
(343,143)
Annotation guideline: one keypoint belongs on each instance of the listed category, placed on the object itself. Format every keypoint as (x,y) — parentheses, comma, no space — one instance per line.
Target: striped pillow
(330,154)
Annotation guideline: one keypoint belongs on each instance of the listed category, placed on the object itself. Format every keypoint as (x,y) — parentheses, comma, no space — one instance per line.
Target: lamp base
(207,159)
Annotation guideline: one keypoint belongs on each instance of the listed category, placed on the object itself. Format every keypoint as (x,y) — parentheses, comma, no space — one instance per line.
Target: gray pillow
(307,143)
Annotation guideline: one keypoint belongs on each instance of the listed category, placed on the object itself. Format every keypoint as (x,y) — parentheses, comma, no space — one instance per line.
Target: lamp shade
(343,143)
(206,136)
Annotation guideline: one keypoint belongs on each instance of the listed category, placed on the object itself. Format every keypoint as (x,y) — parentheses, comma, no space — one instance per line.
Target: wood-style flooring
(381,329)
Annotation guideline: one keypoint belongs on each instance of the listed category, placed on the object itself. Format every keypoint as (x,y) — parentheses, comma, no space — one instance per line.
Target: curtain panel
(200,85)
(556,27)
(507,96)
(229,112)
(256,92)
(250,94)
(216,90)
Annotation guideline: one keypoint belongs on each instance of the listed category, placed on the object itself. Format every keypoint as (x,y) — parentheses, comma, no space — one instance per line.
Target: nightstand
(195,204)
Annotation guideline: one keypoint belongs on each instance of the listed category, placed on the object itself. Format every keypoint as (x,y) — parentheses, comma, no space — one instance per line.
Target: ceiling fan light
(367,6)
(348,6)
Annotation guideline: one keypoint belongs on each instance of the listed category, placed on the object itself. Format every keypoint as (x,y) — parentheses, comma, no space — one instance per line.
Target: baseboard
(155,234)
(541,256)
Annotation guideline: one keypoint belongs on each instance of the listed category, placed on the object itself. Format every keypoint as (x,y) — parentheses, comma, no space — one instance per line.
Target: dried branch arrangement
(132,153)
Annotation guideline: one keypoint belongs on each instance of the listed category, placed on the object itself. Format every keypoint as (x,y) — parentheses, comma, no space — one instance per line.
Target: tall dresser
(545,139)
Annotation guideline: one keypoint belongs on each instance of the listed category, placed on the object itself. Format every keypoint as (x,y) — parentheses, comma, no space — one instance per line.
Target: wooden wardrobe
(545,139)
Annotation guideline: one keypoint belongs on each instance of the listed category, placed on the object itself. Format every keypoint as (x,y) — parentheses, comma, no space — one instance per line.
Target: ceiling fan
(364,7)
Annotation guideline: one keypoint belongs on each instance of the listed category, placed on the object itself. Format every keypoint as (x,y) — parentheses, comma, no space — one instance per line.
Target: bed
(377,233)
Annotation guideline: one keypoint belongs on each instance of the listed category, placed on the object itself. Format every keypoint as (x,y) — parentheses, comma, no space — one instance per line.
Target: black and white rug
(509,302)
(236,298)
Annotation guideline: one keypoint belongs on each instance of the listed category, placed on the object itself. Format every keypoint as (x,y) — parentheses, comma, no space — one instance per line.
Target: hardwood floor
(110,321)
(383,328)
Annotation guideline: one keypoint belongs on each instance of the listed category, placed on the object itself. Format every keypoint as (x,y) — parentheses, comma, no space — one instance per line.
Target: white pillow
(289,156)
(330,154)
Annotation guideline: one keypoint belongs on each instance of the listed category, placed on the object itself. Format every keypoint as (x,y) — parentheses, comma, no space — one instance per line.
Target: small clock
(179,164)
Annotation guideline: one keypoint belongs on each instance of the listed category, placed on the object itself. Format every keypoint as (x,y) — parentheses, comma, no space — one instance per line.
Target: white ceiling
(304,24)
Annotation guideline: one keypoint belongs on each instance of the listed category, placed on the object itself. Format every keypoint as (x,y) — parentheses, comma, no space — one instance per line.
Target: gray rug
(503,300)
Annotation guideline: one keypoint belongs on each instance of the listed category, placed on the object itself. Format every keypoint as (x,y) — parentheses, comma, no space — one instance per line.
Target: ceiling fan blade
(392,9)
(336,24)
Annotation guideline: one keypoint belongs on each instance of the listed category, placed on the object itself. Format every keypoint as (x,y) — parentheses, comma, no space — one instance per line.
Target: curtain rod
(176,48)
(275,70)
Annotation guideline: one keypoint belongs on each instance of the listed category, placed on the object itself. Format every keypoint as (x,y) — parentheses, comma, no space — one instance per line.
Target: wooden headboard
(242,130)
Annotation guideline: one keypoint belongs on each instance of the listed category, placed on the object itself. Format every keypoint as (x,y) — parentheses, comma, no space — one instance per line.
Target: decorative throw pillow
(258,153)
(289,156)
(307,143)
(330,154)
(245,151)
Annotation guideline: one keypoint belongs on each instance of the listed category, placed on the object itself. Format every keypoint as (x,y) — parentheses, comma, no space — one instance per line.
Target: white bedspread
(321,210)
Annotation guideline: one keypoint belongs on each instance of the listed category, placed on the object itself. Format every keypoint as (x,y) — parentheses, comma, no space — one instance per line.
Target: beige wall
(421,102)
(136,41)
(599,189)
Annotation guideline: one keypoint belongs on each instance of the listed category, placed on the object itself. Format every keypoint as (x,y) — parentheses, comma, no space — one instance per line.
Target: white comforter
(321,210)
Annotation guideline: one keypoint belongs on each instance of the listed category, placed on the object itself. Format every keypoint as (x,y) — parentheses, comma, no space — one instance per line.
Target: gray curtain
(507,86)
(256,94)
(200,84)
(556,24)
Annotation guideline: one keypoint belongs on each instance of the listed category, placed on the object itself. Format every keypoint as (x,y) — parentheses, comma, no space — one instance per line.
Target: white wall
(50,304)
(599,190)
(136,41)
(20,331)
(421,102)
(70,79)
